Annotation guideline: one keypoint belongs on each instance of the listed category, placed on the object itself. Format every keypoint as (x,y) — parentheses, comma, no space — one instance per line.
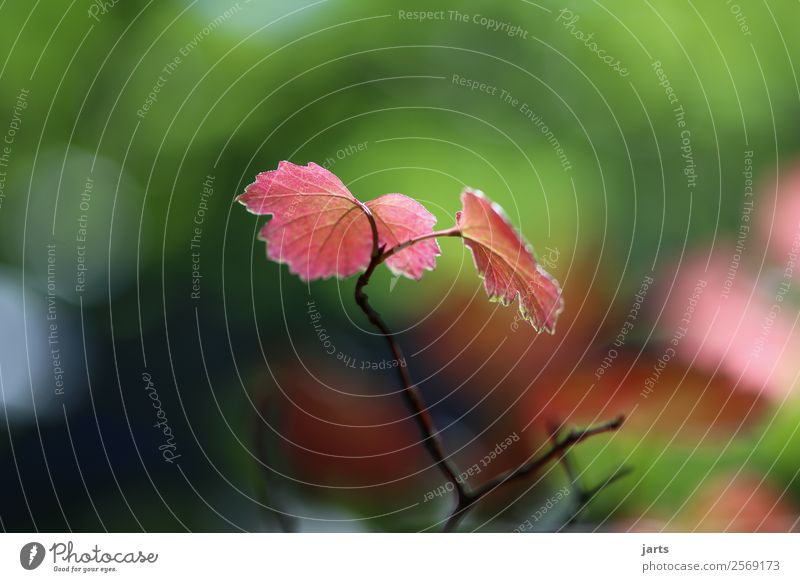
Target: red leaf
(506,262)
(399,219)
(319,229)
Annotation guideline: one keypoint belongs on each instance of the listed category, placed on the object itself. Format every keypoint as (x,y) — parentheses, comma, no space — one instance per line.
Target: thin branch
(588,494)
(556,451)
(430,434)
(373,226)
(584,496)
(438,233)
(560,447)
(566,462)
(465,498)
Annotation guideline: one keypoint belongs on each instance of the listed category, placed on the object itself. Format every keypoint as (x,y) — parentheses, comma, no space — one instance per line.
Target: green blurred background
(117,115)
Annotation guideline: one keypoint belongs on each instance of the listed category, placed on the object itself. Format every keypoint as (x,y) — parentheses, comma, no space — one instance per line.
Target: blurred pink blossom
(738,325)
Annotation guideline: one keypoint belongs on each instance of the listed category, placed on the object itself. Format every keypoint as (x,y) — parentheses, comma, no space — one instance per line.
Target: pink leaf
(506,262)
(318,227)
(399,219)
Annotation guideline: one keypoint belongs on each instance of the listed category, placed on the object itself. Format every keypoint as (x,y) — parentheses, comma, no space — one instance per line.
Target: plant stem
(430,434)
(438,233)
(557,449)
(584,495)
(465,498)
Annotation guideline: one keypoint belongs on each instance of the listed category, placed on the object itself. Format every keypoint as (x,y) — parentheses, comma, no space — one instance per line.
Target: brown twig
(556,451)
(436,234)
(430,435)
(584,495)
(465,498)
